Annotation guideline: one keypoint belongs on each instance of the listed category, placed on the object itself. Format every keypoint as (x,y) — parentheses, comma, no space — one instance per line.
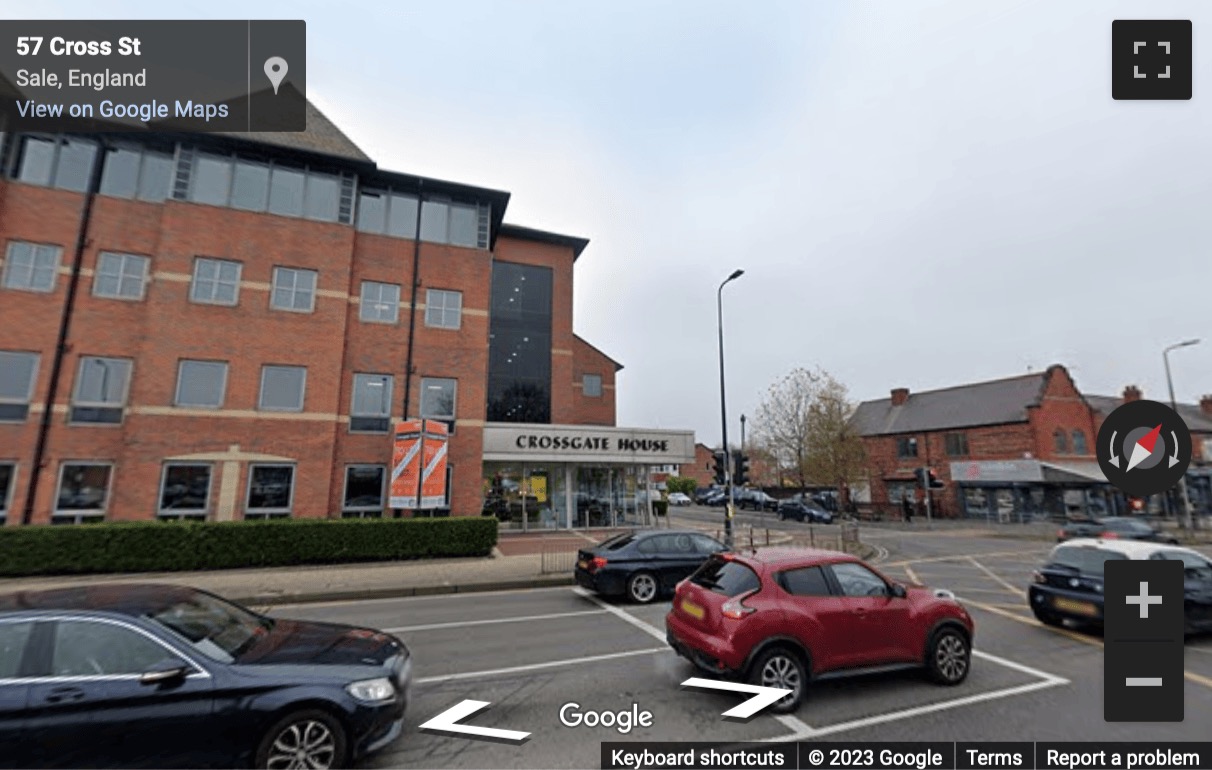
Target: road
(529,653)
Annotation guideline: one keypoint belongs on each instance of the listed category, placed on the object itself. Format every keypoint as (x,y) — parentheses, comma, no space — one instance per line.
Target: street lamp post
(719,310)
(1182,482)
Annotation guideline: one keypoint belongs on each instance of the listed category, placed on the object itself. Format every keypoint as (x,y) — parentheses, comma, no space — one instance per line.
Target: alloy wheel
(643,588)
(951,657)
(306,745)
(783,672)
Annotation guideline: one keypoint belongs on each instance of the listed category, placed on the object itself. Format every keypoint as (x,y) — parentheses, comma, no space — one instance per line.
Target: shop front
(542,477)
(1035,490)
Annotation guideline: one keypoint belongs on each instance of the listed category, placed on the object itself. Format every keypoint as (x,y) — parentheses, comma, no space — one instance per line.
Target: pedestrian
(907,509)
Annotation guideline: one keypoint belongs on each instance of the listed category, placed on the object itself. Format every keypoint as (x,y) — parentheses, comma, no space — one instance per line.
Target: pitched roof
(322,136)
(596,349)
(1195,417)
(982,403)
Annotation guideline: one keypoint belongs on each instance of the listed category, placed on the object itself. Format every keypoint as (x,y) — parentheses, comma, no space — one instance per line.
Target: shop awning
(1026,471)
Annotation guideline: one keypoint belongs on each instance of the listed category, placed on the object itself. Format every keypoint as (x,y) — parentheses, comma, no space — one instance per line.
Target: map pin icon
(275,70)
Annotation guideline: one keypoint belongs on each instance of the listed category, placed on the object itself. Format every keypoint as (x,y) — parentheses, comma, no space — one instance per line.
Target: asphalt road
(529,653)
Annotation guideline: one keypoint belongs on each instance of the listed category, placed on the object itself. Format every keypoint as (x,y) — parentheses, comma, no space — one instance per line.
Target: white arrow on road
(762,696)
(1114,457)
(447,722)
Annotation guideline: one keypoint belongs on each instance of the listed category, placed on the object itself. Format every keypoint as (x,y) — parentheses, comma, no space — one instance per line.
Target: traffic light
(721,468)
(927,480)
(740,469)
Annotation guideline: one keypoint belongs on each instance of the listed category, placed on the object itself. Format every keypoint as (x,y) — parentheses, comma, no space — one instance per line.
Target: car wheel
(782,515)
(950,657)
(304,739)
(642,587)
(781,667)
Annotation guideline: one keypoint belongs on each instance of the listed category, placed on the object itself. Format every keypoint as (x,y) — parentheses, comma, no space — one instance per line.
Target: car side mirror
(898,591)
(166,671)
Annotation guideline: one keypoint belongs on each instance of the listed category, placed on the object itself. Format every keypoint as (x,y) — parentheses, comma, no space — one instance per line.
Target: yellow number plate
(583,564)
(1070,605)
(692,609)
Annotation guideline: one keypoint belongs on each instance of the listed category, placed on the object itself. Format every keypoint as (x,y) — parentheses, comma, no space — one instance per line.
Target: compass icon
(1144,447)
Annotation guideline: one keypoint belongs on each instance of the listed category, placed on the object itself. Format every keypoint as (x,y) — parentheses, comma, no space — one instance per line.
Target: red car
(781,617)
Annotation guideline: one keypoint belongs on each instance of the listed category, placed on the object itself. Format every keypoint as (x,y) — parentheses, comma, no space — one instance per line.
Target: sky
(921,194)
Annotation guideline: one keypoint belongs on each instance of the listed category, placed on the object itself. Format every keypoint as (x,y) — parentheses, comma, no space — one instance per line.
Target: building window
(286,192)
(956,444)
(185,491)
(250,186)
(1079,443)
(438,399)
(8,474)
(380,302)
(31,266)
(906,447)
(370,411)
(101,388)
(294,289)
(220,180)
(387,213)
(271,491)
(323,197)
(216,281)
(201,384)
(364,488)
(1061,440)
(120,276)
(60,162)
(519,344)
(283,388)
(591,385)
(18,372)
(83,492)
(443,309)
(137,173)
(459,224)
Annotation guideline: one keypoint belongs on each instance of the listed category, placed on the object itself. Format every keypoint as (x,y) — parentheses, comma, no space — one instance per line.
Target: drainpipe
(65,322)
(412,305)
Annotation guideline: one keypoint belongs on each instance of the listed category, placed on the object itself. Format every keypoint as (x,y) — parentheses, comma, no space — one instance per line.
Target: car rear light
(1038,577)
(736,609)
(596,563)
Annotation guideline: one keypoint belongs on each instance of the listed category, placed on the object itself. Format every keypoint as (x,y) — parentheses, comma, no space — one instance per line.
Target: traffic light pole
(926,494)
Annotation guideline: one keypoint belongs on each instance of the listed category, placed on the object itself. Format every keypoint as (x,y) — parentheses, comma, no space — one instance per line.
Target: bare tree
(781,424)
(836,452)
(804,423)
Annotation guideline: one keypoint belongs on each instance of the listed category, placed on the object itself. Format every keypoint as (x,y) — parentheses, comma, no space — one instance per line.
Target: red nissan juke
(782,617)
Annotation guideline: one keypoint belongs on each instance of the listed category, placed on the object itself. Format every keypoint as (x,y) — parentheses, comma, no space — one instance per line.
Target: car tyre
(782,515)
(949,657)
(781,667)
(316,733)
(642,587)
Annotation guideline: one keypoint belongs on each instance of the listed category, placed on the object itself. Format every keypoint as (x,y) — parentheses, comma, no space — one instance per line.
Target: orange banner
(433,478)
(406,464)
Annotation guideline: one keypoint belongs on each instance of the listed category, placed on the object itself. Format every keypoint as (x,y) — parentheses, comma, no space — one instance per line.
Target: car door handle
(61,694)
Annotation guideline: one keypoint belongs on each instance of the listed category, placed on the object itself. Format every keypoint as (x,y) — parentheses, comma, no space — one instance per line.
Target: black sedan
(134,675)
(801,511)
(643,565)
(1114,528)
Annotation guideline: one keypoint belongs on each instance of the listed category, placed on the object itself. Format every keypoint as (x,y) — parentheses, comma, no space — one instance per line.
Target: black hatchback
(133,675)
(643,565)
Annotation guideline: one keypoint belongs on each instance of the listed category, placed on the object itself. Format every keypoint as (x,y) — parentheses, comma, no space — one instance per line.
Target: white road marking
(519,619)
(538,666)
(647,628)
(447,596)
(997,578)
(926,559)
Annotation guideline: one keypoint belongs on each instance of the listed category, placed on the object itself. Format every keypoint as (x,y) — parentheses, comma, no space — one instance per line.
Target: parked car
(679,498)
(801,511)
(643,565)
(716,499)
(784,617)
(1069,585)
(757,500)
(1114,527)
(167,676)
(702,495)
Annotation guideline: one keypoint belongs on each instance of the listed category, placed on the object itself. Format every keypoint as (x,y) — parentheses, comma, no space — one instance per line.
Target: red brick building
(1011,448)
(229,326)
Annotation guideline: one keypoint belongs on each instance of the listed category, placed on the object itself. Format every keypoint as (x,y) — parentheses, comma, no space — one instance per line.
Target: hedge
(157,546)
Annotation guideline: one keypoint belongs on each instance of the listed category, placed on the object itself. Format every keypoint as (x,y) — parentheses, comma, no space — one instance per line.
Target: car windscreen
(726,577)
(1196,566)
(1088,561)
(218,629)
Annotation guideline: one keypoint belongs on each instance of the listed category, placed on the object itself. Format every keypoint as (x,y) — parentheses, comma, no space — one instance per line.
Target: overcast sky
(921,194)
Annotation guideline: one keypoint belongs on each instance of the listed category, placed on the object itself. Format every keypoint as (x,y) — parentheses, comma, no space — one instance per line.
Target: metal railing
(557,559)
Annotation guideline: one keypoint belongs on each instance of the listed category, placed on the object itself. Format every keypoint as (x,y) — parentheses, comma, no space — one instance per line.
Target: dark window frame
(906,447)
(185,513)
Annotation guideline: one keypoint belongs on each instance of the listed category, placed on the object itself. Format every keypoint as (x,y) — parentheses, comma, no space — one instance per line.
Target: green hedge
(660,507)
(157,546)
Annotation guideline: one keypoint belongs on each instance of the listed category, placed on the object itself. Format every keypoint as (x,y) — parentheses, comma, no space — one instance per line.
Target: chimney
(1205,405)
(899,396)
(1131,393)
